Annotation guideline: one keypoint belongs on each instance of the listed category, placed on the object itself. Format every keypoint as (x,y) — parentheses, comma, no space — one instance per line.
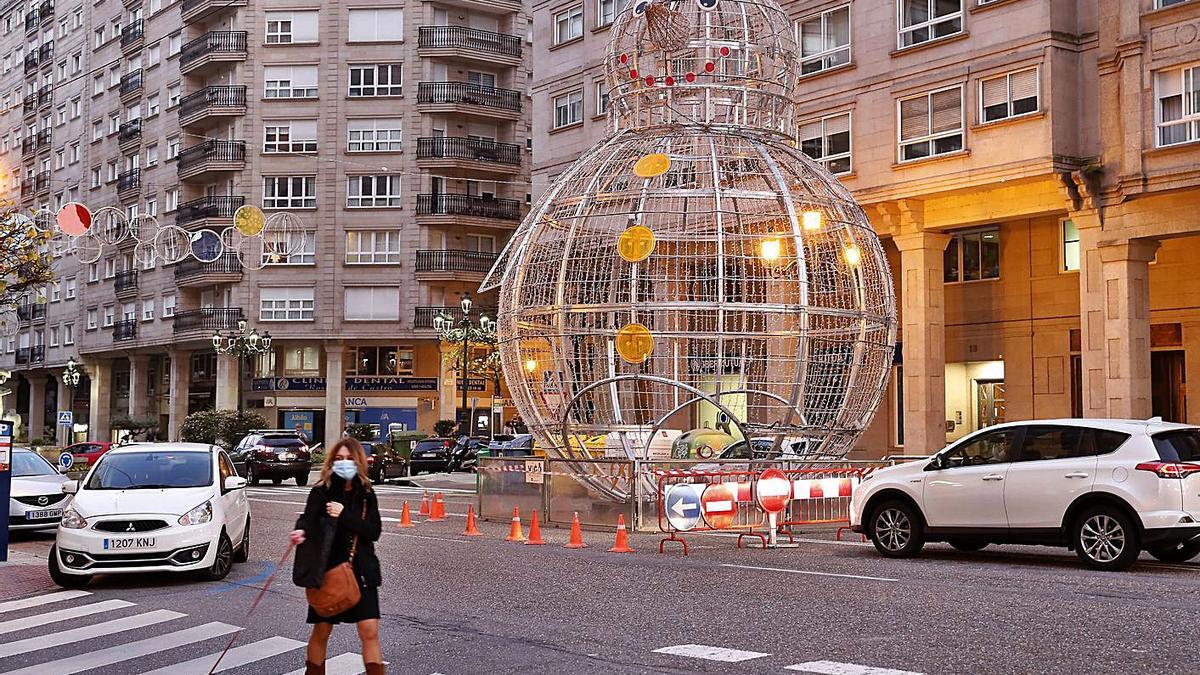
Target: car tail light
(263,452)
(370,459)
(1169,469)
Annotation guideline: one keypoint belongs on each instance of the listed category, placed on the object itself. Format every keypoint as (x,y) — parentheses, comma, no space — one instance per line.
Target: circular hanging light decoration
(636,243)
(249,220)
(171,244)
(110,225)
(206,246)
(74,219)
(87,248)
(143,254)
(652,165)
(635,343)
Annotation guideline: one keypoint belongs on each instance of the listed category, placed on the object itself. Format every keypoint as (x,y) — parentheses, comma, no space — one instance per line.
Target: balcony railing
(469,94)
(31,62)
(41,182)
(46,10)
(208,207)
(29,104)
(228,263)
(129,180)
(131,83)
(45,96)
(424,315)
(125,281)
(471,149)
(125,329)
(37,354)
(32,21)
(46,52)
(455,261)
(215,42)
(22,356)
(31,312)
(208,319)
(220,96)
(129,131)
(133,33)
(212,150)
(468,205)
(462,37)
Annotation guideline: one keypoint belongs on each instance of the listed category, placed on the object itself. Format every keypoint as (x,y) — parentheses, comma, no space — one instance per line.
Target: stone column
(227,382)
(36,420)
(448,400)
(63,434)
(100,373)
(181,375)
(923,312)
(139,398)
(334,380)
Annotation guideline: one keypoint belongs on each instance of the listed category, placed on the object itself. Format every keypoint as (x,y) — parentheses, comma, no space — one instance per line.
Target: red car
(87,454)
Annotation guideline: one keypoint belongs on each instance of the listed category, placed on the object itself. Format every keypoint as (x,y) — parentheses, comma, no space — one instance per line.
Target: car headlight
(197,516)
(72,520)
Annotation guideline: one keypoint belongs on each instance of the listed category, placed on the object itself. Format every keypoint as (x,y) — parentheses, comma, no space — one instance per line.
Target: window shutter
(810,131)
(304,76)
(837,125)
(304,130)
(304,26)
(995,91)
(362,25)
(1024,84)
(914,118)
(947,110)
(390,23)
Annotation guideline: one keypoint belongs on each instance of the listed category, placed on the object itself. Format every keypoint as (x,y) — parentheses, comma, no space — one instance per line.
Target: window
(302,361)
(75,153)
(290,248)
(1178,110)
(1010,95)
(110,268)
(98,37)
(148,310)
(173,94)
(76,108)
(114,123)
(97,130)
(174,43)
(568,24)
(56,291)
(286,304)
(372,303)
(292,136)
(94,272)
(372,247)
(54,336)
(931,124)
(91,319)
(972,256)
(374,135)
(377,79)
(289,192)
(152,155)
(154,55)
(76,63)
(151,210)
(606,12)
(114,76)
(152,105)
(993,447)
(601,98)
(69,288)
(168,306)
(109,315)
(373,191)
(291,27)
(1070,246)
(824,40)
(376,25)
(68,334)
(925,20)
(1045,442)
(290,81)
(172,148)
(170,200)
(568,109)
(827,140)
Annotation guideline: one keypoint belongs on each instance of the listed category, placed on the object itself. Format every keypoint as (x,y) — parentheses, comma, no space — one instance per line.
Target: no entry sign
(773,491)
(720,505)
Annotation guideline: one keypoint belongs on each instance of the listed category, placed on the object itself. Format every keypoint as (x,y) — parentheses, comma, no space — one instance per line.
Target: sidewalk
(23,575)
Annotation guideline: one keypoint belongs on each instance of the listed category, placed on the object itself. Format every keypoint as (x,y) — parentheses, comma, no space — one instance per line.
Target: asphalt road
(482,605)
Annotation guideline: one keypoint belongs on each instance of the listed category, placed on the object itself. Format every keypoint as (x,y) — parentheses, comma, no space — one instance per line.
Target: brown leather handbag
(339,589)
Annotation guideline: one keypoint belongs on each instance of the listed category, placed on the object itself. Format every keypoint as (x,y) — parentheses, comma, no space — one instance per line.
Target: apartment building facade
(1032,169)
(395,134)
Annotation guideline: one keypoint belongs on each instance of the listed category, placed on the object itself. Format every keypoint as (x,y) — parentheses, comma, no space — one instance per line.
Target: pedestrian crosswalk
(42,634)
(728,655)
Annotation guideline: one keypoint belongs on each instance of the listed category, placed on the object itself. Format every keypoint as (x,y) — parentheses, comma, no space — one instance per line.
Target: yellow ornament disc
(635,243)
(249,220)
(635,343)
(652,165)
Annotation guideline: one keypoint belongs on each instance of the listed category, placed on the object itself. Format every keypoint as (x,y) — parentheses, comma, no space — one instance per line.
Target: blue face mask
(346,468)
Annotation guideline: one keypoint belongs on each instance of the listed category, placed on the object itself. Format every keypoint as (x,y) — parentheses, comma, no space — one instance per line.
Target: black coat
(327,540)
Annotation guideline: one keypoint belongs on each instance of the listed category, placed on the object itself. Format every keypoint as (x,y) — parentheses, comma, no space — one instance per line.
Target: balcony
(41,182)
(44,139)
(212,48)
(37,354)
(469,43)
(469,99)
(46,10)
(31,62)
(31,312)
(461,265)
(129,134)
(207,107)
(45,53)
(211,156)
(129,184)
(126,283)
(45,97)
(125,330)
(224,270)
(28,145)
(22,356)
(207,210)
(453,208)
(133,35)
(424,315)
(468,154)
(29,105)
(32,22)
(192,10)
(202,322)
(131,86)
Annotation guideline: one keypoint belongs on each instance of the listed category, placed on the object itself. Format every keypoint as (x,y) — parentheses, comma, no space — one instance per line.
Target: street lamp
(244,343)
(464,332)
(71,375)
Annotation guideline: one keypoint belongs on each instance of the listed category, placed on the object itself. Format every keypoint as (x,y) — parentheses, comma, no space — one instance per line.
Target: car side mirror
(938,463)
(234,483)
(70,487)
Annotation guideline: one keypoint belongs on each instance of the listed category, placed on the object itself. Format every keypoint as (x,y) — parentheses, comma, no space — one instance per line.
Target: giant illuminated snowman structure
(695,268)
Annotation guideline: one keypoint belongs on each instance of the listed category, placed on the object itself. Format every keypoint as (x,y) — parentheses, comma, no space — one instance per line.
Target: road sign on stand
(6,433)
(65,460)
(719,503)
(682,503)
(66,418)
(773,491)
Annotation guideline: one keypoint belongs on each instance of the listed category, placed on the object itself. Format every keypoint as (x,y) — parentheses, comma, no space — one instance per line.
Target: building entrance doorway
(989,402)
(1168,398)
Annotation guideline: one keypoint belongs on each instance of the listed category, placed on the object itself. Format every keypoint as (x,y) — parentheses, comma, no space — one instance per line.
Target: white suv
(1106,489)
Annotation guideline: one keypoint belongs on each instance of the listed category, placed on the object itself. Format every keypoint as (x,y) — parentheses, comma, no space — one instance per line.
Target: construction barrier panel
(507,482)
(598,490)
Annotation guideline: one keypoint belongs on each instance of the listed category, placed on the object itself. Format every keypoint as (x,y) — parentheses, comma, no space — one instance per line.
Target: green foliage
(146,427)
(25,258)
(220,427)
(361,432)
(444,427)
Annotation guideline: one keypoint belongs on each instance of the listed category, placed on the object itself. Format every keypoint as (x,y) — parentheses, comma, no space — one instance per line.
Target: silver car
(37,499)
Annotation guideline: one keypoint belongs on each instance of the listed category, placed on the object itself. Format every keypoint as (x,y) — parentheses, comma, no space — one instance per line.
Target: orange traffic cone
(472,530)
(622,537)
(438,511)
(424,510)
(516,534)
(405,516)
(535,532)
(576,534)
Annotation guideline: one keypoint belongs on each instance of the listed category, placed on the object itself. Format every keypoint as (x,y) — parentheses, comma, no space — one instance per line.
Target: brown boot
(311,668)
(375,668)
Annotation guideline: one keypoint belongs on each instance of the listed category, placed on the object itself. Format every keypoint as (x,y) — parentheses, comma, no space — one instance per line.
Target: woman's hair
(356,453)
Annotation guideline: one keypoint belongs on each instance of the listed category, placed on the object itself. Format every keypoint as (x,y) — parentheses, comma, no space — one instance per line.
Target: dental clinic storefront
(389,402)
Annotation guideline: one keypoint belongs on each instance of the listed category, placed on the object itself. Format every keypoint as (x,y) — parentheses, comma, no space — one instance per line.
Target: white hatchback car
(153,507)
(1106,489)
(37,498)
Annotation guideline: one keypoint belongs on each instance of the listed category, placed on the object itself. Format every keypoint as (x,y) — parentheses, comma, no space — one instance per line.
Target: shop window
(301,361)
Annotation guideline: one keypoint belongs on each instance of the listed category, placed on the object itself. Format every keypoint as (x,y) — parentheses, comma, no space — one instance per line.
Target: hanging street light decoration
(465,332)
(244,343)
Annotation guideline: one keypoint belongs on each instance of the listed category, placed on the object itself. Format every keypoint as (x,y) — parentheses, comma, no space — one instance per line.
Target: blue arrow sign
(682,503)
(65,460)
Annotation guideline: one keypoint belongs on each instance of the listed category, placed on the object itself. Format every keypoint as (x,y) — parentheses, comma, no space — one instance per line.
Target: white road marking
(836,668)
(14,605)
(104,658)
(62,615)
(810,572)
(342,664)
(87,632)
(709,653)
(417,536)
(238,656)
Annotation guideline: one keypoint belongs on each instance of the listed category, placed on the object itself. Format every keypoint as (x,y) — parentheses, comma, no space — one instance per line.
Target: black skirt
(367,608)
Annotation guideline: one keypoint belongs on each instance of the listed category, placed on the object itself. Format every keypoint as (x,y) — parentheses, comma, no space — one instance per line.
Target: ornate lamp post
(71,375)
(464,331)
(243,344)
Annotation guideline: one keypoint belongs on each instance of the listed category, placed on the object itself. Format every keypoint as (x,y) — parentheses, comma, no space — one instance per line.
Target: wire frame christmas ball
(764,294)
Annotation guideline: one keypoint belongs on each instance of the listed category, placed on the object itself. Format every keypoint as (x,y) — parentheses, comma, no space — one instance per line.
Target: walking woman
(340,525)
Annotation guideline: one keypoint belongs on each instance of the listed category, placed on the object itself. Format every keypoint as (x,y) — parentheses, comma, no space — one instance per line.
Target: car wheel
(302,479)
(277,481)
(382,473)
(1175,553)
(243,551)
(223,562)
(62,578)
(967,544)
(252,475)
(1105,539)
(896,530)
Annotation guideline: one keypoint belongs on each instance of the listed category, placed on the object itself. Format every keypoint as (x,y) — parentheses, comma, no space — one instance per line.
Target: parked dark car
(432,454)
(383,462)
(512,446)
(275,454)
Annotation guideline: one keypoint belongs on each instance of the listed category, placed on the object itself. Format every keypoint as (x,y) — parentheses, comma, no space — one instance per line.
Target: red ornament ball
(690,77)
(633,74)
(650,80)
(724,51)
(709,67)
